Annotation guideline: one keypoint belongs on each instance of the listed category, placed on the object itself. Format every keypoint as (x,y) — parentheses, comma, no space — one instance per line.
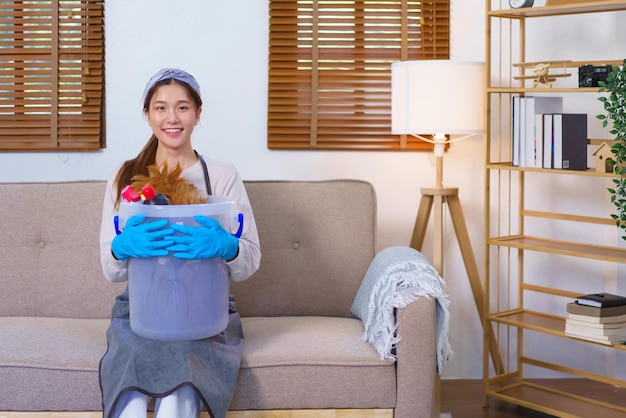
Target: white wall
(224,44)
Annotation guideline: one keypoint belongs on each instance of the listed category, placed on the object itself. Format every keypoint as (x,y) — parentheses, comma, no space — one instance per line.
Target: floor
(463,398)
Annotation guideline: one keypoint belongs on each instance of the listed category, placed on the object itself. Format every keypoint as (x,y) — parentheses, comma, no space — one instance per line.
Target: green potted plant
(615,111)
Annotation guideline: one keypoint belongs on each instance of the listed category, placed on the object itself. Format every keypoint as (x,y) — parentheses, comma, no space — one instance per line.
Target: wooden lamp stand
(436,197)
(455,107)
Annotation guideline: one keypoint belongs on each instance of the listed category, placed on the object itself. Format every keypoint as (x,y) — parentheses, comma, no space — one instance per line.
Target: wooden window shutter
(330,69)
(51,75)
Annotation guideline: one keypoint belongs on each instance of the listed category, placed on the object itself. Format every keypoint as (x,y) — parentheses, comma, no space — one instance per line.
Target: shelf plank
(570,9)
(513,90)
(540,322)
(589,172)
(568,217)
(597,378)
(535,321)
(557,65)
(574,249)
(555,402)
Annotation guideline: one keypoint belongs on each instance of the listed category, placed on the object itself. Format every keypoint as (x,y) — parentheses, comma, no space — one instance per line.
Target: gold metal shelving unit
(505,216)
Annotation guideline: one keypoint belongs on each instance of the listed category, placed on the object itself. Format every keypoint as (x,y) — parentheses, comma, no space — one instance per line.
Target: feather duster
(177,189)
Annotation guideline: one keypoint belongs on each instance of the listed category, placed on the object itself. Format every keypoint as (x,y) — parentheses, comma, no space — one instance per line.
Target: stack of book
(545,137)
(597,317)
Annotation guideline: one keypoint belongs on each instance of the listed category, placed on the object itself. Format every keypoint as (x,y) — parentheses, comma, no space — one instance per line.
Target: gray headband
(171,73)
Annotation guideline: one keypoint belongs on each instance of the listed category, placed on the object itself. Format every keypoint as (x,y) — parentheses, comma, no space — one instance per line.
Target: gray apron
(159,368)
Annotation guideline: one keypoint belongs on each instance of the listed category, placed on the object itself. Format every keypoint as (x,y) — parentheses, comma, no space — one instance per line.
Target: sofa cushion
(283,357)
(56,358)
(323,357)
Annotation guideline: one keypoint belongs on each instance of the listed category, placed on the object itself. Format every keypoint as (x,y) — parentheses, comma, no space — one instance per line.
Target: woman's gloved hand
(142,240)
(206,241)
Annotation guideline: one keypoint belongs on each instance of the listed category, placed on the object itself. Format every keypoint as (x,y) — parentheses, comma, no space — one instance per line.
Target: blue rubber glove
(141,240)
(209,240)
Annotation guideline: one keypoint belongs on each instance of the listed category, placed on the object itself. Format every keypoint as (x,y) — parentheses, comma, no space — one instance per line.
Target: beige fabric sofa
(303,348)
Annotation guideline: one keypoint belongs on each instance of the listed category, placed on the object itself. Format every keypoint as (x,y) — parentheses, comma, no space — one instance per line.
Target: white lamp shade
(437,96)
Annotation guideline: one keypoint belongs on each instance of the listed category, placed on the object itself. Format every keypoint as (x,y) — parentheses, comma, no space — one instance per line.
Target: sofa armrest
(416,363)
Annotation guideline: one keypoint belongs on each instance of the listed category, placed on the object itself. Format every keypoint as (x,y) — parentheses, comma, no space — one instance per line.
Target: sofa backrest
(49,251)
(317,239)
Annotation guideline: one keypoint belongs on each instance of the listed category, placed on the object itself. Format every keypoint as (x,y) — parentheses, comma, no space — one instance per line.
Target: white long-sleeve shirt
(225,181)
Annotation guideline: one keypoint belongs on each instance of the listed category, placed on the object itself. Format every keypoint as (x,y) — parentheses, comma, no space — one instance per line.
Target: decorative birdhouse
(603,155)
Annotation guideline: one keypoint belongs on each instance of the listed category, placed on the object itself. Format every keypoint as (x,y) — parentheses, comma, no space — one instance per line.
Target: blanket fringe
(402,275)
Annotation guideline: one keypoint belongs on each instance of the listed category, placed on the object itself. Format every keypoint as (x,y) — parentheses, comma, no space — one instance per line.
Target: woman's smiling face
(172,116)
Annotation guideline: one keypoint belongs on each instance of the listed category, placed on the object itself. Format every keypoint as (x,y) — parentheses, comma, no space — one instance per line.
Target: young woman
(182,376)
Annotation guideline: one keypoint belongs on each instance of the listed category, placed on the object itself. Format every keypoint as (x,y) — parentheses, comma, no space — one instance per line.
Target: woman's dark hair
(139,164)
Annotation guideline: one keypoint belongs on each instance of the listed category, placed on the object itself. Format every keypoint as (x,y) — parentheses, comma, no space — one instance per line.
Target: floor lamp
(445,99)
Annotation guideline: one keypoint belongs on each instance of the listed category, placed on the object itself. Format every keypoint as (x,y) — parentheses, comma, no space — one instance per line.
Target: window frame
(52,84)
(342,102)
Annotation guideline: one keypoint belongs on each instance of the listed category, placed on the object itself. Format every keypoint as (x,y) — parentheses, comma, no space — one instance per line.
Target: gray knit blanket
(396,277)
